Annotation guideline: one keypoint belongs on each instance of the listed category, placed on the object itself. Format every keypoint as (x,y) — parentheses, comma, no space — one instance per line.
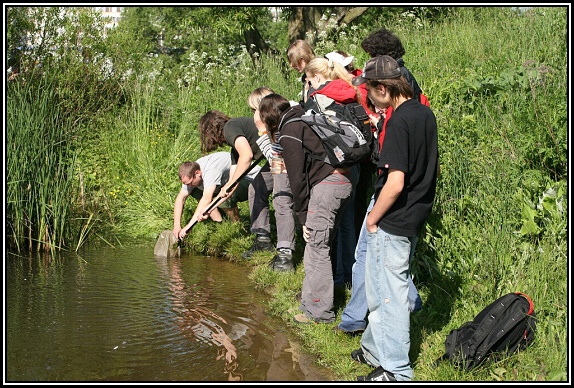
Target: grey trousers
(284,216)
(323,217)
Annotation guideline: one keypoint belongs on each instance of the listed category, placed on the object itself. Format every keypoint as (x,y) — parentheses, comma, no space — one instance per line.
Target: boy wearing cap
(353,317)
(404,191)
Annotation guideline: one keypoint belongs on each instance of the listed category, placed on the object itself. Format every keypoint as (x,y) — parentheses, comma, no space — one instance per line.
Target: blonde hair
(328,69)
(299,51)
(255,97)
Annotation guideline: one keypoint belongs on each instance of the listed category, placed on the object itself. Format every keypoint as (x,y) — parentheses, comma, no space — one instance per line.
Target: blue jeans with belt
(354,316)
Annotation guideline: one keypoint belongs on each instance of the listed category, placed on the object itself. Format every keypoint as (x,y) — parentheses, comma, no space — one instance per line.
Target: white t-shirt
(215,170)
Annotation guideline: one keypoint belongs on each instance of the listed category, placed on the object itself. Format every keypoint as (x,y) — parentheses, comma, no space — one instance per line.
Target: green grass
(40,164)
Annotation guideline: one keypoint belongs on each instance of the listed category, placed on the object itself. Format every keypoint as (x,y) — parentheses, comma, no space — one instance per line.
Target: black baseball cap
(380,67)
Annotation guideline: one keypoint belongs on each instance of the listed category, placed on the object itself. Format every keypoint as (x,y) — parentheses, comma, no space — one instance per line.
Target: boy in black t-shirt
(404,192)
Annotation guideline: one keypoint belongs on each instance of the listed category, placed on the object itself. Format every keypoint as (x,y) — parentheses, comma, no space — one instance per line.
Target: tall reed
(40,167)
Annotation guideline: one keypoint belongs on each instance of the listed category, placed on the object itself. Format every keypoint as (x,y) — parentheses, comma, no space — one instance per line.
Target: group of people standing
(360,224)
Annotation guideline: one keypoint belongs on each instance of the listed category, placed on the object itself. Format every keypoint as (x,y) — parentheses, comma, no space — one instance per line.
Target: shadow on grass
(440,289)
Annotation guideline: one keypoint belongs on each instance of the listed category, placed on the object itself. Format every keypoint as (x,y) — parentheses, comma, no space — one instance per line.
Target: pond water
(119,315)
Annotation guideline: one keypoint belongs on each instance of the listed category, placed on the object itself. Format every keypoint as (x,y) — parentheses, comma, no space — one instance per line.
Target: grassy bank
(497,85)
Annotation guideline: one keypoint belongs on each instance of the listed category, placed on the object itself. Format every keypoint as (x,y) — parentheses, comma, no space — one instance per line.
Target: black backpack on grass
(503,327)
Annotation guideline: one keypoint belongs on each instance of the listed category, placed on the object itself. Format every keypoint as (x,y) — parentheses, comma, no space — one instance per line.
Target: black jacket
(410,79)
(298,141)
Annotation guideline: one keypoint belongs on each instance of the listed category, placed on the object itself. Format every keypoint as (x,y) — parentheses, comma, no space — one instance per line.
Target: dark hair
(271,107)
(396,87)
(383,42)
(211,130)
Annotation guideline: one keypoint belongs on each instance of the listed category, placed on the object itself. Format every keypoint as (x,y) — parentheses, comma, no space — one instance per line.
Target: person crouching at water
(203,180)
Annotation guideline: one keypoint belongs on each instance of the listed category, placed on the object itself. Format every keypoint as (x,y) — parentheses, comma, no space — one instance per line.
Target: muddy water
(124,315)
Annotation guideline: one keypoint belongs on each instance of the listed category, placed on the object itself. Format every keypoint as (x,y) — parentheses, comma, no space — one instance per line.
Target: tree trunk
(254,42)
(303,21)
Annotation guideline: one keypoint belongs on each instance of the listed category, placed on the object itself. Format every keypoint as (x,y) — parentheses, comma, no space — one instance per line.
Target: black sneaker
(282,261)
(359,356)
(261,243)
(378,374)
(350,333)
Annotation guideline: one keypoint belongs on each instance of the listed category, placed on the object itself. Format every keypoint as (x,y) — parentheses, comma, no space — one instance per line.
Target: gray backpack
(344,143)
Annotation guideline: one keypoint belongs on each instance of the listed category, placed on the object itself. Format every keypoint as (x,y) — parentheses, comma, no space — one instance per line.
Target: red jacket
(339,90)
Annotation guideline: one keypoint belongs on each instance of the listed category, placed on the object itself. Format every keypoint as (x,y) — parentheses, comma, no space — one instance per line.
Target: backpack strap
(307,151)
(490,313)
(530,302)
(289,121)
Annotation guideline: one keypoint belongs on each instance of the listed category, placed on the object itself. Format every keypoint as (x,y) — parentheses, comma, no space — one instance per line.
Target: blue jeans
(343,247)
(354,316)
(386,341)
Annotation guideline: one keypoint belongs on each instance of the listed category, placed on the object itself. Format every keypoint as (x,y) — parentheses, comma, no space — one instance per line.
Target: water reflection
(119,315)
(198,322)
